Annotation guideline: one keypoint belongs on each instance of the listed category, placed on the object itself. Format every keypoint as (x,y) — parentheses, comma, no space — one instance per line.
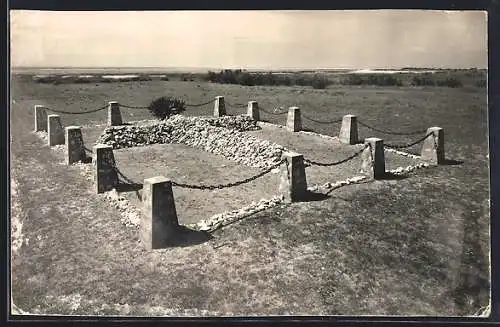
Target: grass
(416,246)
(184,164)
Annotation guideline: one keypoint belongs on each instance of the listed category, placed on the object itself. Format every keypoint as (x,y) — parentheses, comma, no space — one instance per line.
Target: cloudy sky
(250,39)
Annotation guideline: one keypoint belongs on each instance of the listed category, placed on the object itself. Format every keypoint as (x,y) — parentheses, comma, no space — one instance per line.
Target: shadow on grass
(473,286)
(367,181)
(185,236)
(87,159)
(122,187)
(391,176)
(452,162)
(310,196)
(128,187)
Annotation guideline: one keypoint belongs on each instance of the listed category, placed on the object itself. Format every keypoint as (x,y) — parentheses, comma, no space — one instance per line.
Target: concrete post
(159,222)
(253,110)
(373,159)
(74,145)
(55,130)
(294,123)
(433,146)
(114,114)
(349,130)
(293,184)
(220,107)
(103,162)
(40,118)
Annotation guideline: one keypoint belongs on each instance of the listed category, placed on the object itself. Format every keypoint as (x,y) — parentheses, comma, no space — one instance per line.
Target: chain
(391,133)
(402,146)
(132,107)
(77,113)
(239,105)
(322,122)
(221,186)
(200,104)
(187,105)
(125,178)
(315,163)
(276,113)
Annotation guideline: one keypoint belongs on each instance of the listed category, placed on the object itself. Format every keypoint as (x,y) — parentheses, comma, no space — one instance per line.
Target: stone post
(159,220)
(349,130)
(103,162)
(55,130)
(433,146)
(253,110)
(220,107)
(294,123)
(373,159)
(74,145)
(40,118)
(114,114)
(293,184)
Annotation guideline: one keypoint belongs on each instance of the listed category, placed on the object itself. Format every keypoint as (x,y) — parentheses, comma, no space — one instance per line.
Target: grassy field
(415,246)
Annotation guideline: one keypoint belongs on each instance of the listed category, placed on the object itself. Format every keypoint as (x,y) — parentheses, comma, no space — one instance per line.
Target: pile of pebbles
(222,136)
(226,218)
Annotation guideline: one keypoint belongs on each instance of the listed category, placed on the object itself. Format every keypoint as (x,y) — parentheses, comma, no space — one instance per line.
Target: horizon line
(243,68)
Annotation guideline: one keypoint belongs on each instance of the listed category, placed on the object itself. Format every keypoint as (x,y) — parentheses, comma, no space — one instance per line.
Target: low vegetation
(164,107)
(317,80)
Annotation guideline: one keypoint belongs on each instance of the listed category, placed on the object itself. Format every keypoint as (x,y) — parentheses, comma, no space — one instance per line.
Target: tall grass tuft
(165,107)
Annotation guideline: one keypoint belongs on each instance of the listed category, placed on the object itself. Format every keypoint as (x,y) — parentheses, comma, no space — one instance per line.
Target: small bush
(165,107)
(372,79)
(82,81)
(144,78)
(50,79)
(450,82)
(319,82)
(353,80)
(422,81)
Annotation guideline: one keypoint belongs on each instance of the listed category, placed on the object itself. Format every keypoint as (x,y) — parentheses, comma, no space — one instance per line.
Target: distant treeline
(442,78)
(238,76)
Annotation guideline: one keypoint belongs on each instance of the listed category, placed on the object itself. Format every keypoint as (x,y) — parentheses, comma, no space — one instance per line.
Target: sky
(250,39)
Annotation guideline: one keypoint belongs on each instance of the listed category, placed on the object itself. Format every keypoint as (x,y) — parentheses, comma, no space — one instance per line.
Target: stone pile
(131,217)
(222,219)
(402,153)
(241,123)
(202,134)
(408,169)
(335,185)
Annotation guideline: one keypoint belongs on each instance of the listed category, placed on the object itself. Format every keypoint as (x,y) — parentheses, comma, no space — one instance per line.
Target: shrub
(423,80)
(144,78)
(50,79)
(372,79)
(164,78)
(319,82)
(450,82)
(82,81)
(352,80)
(165,107)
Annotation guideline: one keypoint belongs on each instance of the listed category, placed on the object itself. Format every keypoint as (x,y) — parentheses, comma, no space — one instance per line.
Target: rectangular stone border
(131,216)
